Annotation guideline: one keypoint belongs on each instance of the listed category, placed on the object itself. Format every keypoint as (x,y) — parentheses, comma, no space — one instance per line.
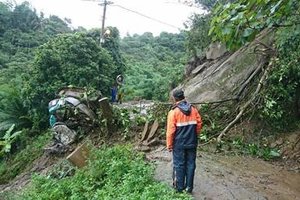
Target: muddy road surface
(220,177)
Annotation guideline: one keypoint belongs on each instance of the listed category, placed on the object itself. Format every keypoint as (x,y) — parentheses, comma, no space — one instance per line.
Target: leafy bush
(254,149)
(70,59)
(197,37)
(239,22)
(112,173)
(121,120)
(8,139)
(282,93)
(12,110)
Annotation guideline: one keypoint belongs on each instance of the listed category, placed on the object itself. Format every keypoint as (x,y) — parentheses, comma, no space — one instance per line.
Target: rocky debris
(159,154)
(63,134)
(192,64)
(141,107)
(56,148)
(215,50)
(142,148)
(291,150)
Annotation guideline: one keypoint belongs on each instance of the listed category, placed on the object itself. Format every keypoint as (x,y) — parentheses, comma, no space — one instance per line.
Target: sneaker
(189,190)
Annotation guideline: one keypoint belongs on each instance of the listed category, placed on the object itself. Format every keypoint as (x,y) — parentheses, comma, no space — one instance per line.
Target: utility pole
(104,4)
(103,20)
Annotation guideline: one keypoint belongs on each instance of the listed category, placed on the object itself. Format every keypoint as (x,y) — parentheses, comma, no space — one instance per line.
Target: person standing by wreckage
(184,123)
(114,92)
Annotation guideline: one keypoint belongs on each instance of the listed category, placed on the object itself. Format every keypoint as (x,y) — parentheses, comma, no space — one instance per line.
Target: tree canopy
(239,22)
(154,64)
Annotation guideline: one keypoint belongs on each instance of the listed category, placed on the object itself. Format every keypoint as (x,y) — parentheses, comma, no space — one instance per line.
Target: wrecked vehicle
(72,113)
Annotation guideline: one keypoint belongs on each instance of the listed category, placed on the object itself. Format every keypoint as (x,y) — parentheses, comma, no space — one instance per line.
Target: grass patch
(113,173)
(17,163)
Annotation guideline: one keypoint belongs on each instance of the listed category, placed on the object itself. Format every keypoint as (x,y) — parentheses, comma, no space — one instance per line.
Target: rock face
(221,78)
(215,50)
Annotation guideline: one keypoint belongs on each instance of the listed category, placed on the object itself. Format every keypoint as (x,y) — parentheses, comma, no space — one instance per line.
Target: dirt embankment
(233,177)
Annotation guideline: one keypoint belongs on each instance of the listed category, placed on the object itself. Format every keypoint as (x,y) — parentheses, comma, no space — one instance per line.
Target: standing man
(114,91)
(183,126)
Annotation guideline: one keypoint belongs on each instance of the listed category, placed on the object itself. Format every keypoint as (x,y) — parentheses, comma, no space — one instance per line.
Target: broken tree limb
(249,79)
(107,113)
(79,156)
(268,47)
(245,106)
(145,132)
(153,130)
(209,102)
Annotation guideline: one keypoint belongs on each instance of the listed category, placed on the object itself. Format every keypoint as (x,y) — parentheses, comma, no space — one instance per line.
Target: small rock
(143,148)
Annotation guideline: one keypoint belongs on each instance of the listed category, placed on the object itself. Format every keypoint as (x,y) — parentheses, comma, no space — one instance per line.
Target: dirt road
(233,177)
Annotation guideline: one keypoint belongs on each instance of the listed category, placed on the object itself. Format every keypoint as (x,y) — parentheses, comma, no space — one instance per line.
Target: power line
(141,14)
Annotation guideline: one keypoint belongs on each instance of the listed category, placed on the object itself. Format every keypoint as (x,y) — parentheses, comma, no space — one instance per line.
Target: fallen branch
(270,48)
(210,102)
(249,79)
(245,106)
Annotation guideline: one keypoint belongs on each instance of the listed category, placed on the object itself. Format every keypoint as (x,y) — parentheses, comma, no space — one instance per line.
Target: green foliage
(112,173)
(62,169)
(71,59)
(254,149)
(159,111)
(12,110)
(33,58)
(122,120)
(112,44)
(197,36)
(24,18)
(15,164)
(7,140)
(53,26)
(21,32)
(214,120)
(199,25)
(266,153)
(239,22)
(154,64)
(280,99)
(210,4)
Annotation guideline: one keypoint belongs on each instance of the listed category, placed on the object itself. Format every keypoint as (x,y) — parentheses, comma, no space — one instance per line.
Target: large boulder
(215,50)
(221,78)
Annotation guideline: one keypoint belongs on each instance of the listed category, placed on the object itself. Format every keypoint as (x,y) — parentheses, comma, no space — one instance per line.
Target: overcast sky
(88,13)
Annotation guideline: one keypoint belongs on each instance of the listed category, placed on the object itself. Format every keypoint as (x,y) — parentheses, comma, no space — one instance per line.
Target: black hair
(178,94)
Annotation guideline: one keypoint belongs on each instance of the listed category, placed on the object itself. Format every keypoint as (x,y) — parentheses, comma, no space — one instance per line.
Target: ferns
(12,110)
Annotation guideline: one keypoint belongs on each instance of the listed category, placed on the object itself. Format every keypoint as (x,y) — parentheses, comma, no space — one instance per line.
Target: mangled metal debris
(75,112)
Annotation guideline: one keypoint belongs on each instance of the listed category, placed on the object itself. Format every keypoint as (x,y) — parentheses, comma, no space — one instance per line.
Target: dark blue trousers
(184,165)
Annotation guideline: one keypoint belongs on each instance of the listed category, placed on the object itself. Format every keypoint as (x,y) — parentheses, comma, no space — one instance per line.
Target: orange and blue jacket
(183,126)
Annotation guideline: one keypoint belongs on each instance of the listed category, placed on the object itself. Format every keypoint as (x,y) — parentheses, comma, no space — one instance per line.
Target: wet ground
(233,177)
